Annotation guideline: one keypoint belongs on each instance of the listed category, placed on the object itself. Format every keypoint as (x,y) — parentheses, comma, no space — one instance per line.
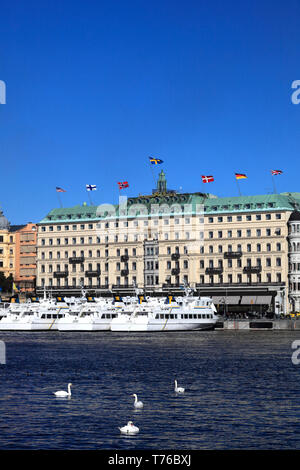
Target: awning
(256,299)
(223,299)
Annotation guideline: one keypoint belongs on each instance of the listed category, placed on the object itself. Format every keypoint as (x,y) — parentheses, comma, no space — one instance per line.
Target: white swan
(178,389)
(130,428)
(62,393)
(137,403)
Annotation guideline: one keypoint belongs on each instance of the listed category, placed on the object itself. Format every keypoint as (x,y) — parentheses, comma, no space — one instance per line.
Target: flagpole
(89,196)
(155,184)
(275,190)
(238,187)
(59,200)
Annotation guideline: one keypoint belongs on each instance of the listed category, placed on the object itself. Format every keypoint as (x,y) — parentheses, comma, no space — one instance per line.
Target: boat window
(162,316)
(171,316)
(167,316)
(157,316)
(190,316)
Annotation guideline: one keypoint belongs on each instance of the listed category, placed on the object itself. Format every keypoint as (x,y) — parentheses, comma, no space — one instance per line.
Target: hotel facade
(242,251)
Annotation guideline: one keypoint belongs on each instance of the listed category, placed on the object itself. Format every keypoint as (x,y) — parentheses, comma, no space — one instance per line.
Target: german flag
(240,176)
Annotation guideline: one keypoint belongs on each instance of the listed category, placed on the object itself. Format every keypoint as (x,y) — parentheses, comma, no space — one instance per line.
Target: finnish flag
(91,187)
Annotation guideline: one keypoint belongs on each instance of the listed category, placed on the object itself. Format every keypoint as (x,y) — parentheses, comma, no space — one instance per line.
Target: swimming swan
(178,389)
(129,428)
(137,404)
(62,393)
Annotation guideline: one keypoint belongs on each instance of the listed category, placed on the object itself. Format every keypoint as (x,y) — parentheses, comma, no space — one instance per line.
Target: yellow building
(7,247)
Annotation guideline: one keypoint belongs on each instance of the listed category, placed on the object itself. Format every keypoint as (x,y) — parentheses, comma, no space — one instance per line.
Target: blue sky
(95,87)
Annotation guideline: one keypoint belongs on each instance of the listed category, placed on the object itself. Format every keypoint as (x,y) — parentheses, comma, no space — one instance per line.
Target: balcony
(232,254)
(96,273)
(175,271)
(252,269)
(213,271)
(76,259)
(60,274)
(124,258)
(175,256)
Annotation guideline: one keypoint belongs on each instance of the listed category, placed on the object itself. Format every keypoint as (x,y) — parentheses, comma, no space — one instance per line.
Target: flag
(60,190)
(240,176)
(155,161)
(207,179)
(276,172)
(123,184)
(91,187)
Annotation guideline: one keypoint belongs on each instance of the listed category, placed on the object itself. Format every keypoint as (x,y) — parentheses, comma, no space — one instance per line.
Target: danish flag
(207,179)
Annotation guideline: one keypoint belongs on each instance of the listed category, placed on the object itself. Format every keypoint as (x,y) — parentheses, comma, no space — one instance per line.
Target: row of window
(247,218)
(229,262)
(249,247)
(88,254)
(248,233)
(153,280)
(155,221)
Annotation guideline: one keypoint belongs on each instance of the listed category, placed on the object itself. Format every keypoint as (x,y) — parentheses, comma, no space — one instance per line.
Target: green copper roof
(170,203)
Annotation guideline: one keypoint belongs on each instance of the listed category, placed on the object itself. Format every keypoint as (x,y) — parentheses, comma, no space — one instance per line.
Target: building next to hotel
(243,251)
(18,253)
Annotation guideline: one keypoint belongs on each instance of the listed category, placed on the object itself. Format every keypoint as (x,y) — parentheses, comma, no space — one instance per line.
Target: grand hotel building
(242,251)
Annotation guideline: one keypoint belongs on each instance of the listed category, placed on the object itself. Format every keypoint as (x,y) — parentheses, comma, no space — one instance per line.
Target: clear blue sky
(95,87)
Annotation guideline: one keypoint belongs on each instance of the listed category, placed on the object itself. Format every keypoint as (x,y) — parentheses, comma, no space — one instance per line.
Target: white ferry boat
(187,313)
(43,319)
(93,316)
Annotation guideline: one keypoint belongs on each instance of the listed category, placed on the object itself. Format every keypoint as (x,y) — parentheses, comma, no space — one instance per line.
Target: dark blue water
(242,390)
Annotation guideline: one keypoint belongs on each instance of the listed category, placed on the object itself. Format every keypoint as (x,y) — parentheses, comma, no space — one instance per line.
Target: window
(248,232)
(258,247)
(229,233)
(268,262)
(229,218)
(258,216)
(258,232)
(268,216)
(239,233)
(210,234)
(268,232)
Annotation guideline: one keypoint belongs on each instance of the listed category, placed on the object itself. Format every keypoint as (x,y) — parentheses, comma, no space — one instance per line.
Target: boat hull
(134,326)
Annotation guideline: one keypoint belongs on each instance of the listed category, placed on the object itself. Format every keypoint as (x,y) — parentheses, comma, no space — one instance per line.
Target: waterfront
(242,390)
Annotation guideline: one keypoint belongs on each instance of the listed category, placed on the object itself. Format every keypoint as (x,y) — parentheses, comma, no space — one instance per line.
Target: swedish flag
(155,161)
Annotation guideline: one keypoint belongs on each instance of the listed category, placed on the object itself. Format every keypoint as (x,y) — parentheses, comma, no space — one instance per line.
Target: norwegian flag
(276,172)
(207,179)
(123,184)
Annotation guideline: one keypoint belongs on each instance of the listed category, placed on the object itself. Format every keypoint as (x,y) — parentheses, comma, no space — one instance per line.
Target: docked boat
(187,313)
(95,316)
(43,319)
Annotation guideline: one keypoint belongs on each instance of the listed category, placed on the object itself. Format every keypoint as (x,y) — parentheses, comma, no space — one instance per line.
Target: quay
(258,324)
